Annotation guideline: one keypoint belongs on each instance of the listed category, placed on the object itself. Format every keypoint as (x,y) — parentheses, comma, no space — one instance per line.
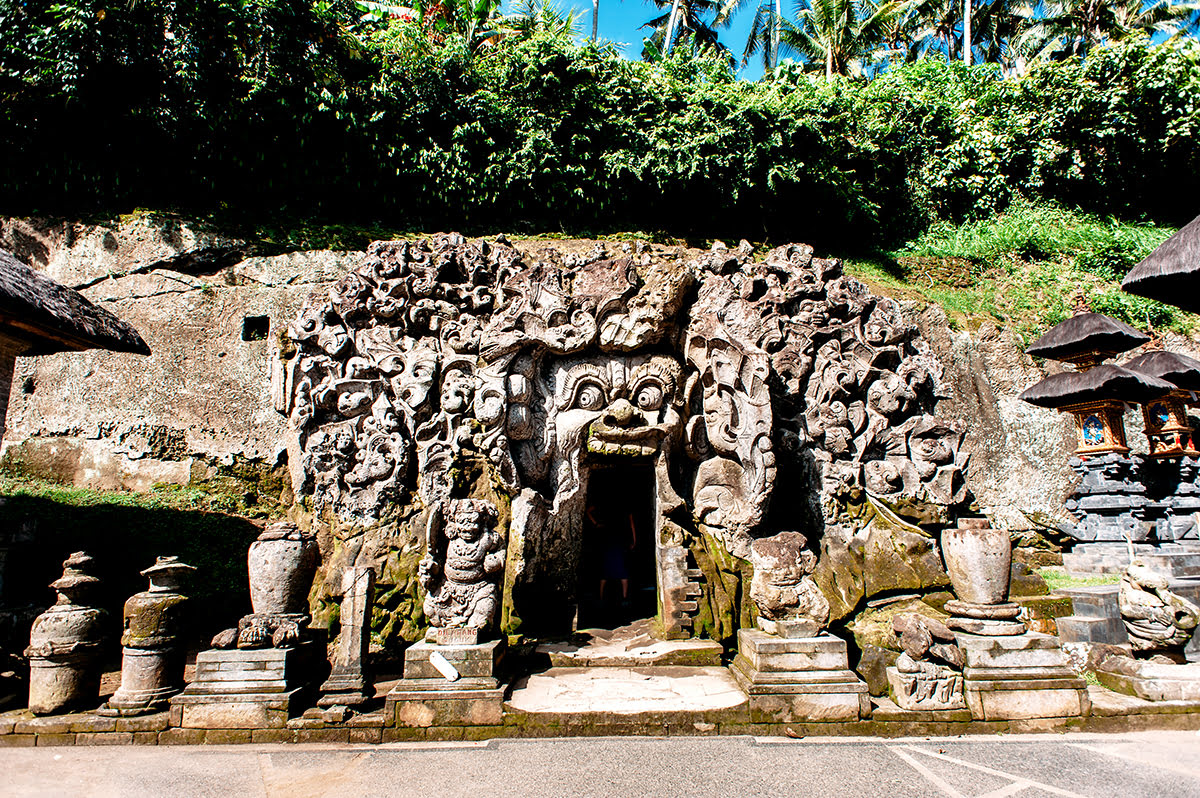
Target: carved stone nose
(619,413)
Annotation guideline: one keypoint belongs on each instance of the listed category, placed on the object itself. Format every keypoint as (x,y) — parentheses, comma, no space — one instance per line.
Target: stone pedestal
(1023,676)
(248,688)
(804,679)
(448,685)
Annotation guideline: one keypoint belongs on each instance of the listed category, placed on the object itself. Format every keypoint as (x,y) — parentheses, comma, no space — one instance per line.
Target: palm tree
(839,32)
(765,29)
(1070,28)
(541,16)
(687,19)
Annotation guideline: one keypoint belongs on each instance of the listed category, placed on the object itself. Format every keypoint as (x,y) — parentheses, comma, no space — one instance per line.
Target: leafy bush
(302,109)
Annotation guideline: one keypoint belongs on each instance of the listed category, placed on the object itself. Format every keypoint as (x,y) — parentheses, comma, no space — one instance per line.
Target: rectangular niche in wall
(256,328)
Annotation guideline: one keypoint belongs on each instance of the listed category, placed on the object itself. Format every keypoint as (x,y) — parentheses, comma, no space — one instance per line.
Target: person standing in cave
(616,534)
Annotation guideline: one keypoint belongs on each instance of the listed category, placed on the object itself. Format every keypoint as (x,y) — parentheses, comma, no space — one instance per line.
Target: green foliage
(250,108)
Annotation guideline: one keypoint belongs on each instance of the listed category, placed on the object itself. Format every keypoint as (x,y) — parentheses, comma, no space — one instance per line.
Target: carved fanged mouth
(636,442)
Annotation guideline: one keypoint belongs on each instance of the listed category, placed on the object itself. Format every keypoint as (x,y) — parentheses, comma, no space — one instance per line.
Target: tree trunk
(671,27)
(828,62)
(967,32)
(775,34)
(596,19)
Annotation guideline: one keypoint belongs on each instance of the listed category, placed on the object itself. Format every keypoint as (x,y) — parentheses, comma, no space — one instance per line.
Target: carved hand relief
(543,365)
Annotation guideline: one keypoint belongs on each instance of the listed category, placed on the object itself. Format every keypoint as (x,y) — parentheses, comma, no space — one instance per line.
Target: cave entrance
(617,573)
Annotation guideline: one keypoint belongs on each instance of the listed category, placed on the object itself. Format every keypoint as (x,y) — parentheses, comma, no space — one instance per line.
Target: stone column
(349,682)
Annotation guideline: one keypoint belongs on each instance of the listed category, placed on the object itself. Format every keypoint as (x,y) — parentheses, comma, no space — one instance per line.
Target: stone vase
(65,644)
(152,656)
(281,564)
(979,561)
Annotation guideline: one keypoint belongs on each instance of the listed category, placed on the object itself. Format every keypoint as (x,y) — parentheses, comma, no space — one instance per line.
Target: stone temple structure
(711,403)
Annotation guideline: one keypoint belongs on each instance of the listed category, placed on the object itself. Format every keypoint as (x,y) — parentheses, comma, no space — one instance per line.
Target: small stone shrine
(450,677)
(788,667)
(349,682)
(1008,672)
(1121,495)
(65,644)
(262,672)
(152,650)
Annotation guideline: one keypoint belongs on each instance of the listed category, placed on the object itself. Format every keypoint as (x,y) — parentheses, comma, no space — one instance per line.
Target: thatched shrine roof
(1171,273)
(1085,336)
(55,318)
(1096,384)
(1179,370)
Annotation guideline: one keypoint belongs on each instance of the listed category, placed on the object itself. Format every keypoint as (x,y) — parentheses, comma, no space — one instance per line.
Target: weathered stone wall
(119,421)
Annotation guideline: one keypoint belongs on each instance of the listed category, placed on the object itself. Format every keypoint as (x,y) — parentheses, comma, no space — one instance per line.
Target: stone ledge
(887,721)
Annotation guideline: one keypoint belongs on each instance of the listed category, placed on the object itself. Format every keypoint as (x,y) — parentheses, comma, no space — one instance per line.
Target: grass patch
(1057,578)
(1026,268)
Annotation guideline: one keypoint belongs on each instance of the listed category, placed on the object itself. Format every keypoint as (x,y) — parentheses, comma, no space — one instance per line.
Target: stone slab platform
(626,691)
(1150,681)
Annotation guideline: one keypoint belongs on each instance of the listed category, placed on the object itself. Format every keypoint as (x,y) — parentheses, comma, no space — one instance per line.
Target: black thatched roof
(1084,334)
(1179,370)
(1171,273)
(1093,385)
(54,318)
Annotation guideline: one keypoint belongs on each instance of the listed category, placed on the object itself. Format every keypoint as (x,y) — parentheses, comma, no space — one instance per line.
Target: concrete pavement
(1150,764)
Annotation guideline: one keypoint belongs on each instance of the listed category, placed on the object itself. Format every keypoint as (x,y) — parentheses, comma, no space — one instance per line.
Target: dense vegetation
(300,109)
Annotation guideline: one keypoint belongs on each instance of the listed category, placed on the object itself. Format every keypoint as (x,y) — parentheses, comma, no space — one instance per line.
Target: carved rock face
(615,404)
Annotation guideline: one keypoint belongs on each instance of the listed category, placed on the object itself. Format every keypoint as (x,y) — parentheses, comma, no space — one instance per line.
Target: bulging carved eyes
(649,397)
(589,397)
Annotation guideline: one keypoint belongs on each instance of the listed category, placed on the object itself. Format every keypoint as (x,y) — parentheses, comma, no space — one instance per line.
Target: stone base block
(260,670)
(1029,650)
(1150,681)
(841,706)
(243,711)
(469,662)
(1018,700)
(424,708)
(768,653)
(1081,629)
(248,688)
(346,690)
(799,679)
(1020,677)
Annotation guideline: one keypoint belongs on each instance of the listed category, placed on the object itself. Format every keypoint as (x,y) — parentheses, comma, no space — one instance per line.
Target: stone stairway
(1096,618)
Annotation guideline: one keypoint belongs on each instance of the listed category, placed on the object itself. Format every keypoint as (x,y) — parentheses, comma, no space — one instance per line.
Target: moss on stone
(724,604)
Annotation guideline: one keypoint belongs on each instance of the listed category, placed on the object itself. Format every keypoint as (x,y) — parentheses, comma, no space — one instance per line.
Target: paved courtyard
(1150,764)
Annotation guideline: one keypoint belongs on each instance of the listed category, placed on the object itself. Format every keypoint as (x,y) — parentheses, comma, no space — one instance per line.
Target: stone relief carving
(1157,619)
(789,602)
(928,673)
(460,570)
(439,351)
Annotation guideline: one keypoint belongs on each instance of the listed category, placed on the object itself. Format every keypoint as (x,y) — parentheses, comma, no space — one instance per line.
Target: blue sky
(621,20)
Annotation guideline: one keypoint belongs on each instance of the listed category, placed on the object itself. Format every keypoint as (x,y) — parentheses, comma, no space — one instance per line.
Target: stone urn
(281,563)
(979,560)
(152,653)
(65,644)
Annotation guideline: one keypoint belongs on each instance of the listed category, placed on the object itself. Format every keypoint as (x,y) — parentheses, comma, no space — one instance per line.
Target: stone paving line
(1150,764)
